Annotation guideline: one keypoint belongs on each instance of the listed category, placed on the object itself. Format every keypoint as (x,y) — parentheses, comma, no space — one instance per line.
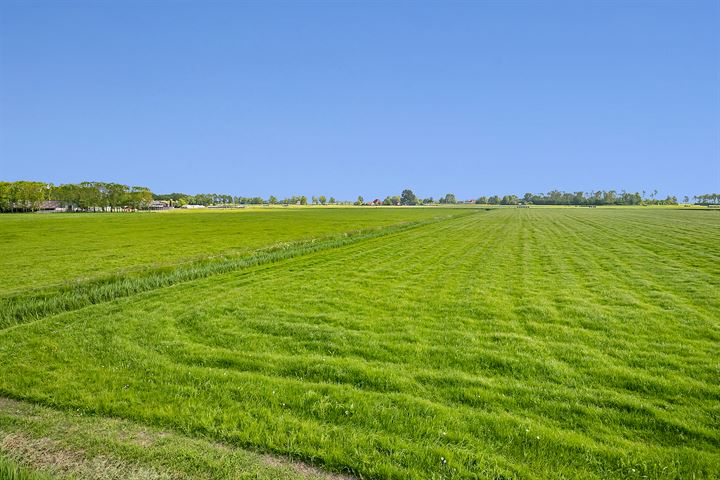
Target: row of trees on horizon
(407,197)
(24,196)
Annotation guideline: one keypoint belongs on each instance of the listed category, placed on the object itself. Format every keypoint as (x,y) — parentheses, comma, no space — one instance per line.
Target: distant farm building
(51,206)
(159,205)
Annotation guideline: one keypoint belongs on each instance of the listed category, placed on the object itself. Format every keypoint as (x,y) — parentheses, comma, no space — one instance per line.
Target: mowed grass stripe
(702,252)
(668,277)
(464,340)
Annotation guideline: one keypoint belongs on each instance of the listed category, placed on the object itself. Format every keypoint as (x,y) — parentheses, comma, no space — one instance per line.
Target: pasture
(468,343)
(42,250)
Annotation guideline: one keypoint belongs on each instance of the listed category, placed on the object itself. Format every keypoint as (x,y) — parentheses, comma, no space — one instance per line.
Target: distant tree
(24,195)
(90,197)
(427,201)
(712,198)
(5,197)
(323,199)
(295,200)
(272,200)
(116,195)
(407,197)
(686,199)
(448,199)
(609,197)
(314,200)
(332,200)
(578,198)
(359,200)
(139,197)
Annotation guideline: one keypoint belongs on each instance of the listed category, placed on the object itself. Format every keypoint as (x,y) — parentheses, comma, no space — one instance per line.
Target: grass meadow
(468,343)
(42,250)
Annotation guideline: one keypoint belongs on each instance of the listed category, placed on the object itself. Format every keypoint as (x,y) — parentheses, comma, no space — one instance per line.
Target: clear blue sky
(368,98)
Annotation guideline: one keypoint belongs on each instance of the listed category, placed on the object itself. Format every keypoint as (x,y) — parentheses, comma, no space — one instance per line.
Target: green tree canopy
(407,197)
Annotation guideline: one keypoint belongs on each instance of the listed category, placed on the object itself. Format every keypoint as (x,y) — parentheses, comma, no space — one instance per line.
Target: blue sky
(342,98)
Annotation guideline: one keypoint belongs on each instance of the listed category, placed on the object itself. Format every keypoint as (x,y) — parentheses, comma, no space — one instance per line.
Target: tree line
(555,197)
(708,199)
(407,197)
(25,196)
(29,196)
(599,197)
(207,199)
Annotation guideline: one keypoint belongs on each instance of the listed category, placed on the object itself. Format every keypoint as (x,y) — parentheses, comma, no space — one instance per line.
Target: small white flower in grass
(538,438)
(443,461)
(347,413)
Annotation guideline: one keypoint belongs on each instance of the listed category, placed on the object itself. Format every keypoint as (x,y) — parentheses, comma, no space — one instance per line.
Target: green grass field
(509,343)
(42,250)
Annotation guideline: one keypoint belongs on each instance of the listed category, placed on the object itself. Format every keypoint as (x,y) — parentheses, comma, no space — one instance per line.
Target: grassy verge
(39,443)
(35,305)
(10,470)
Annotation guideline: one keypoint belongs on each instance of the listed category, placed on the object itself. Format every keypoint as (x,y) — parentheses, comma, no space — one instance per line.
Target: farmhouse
(159,205)
(51,206)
